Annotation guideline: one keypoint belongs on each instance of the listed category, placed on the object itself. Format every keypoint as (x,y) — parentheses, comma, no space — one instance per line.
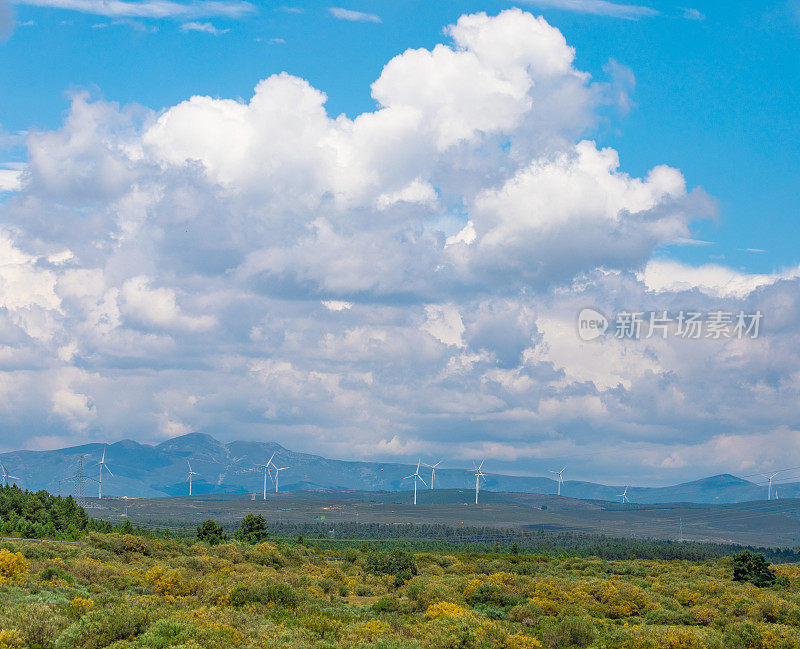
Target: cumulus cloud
(662,275)
(400,280)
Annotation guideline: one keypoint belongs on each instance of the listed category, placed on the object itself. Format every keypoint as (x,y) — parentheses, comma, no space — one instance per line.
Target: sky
(367,230)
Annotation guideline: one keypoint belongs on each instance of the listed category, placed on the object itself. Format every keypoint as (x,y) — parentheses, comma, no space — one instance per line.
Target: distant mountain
(147,471)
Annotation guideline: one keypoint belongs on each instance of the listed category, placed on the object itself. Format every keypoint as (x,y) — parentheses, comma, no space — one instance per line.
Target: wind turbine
(560,475)
(478,476)
(191,473)
(624,495)
(6,475)
(432,467)
(267,469)
(277,472)
(102,464)
(416,477)
(769,489)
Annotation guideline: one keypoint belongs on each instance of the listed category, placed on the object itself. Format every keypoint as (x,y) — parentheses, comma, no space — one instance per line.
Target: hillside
(147,471)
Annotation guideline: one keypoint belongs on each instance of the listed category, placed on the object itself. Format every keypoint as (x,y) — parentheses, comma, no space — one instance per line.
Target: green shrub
(491,611)
(279,594)
(98,629)
(568,631)
(39,624)
(167,633)
(386,604)
(51,572)
(742,635)
(397,562)
(664,616)
(491,594)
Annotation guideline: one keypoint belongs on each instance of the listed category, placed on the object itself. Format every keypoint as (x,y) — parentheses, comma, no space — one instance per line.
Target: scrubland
(128,591)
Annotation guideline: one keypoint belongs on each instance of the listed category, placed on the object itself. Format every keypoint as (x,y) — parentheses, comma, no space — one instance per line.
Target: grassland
(773,523)
(126,591)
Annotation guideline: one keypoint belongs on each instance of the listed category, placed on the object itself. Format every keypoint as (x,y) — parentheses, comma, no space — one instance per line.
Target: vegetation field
(102,585)
(126,591)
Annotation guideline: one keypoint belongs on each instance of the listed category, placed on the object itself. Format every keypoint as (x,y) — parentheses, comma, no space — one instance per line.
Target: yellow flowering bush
(11,639)
(13,565)
(80,605)
(444,609)
(687,597)
(168,582)
(520,641)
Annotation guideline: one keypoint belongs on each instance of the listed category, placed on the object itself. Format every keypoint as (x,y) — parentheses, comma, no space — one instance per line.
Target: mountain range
(151,471)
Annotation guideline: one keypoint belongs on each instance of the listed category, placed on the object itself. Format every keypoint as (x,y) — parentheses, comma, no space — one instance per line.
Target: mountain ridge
(158,470)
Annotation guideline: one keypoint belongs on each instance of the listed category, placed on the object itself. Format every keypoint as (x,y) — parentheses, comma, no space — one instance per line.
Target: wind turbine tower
(560,475)
(416,476)
(277,473)
(769,488)
(267,469)
(102,464)
(6,475)
(432,467)
(191,473)
(478,476)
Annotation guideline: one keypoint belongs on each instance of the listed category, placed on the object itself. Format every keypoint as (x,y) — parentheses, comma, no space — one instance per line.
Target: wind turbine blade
(409,476)
(271,457)
(109,470)
(103,459)
(418,461)
(437,464)
(480,466)
(422,481)
(562,470)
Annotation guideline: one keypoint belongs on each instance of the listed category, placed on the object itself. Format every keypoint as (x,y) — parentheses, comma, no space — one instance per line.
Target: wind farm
(721,508)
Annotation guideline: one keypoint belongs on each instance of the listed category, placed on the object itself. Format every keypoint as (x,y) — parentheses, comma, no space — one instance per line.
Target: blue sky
(716,88)
(193,239)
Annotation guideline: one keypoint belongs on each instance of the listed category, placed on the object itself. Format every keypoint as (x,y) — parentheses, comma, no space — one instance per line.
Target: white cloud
(337,305)
(157,307)
(10,180)
(417,191)
(443,322)
(206,28)
(149,8)
(202,266)
(598,8)
(353,16)
(662,275)
(692,14)
(74,407)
